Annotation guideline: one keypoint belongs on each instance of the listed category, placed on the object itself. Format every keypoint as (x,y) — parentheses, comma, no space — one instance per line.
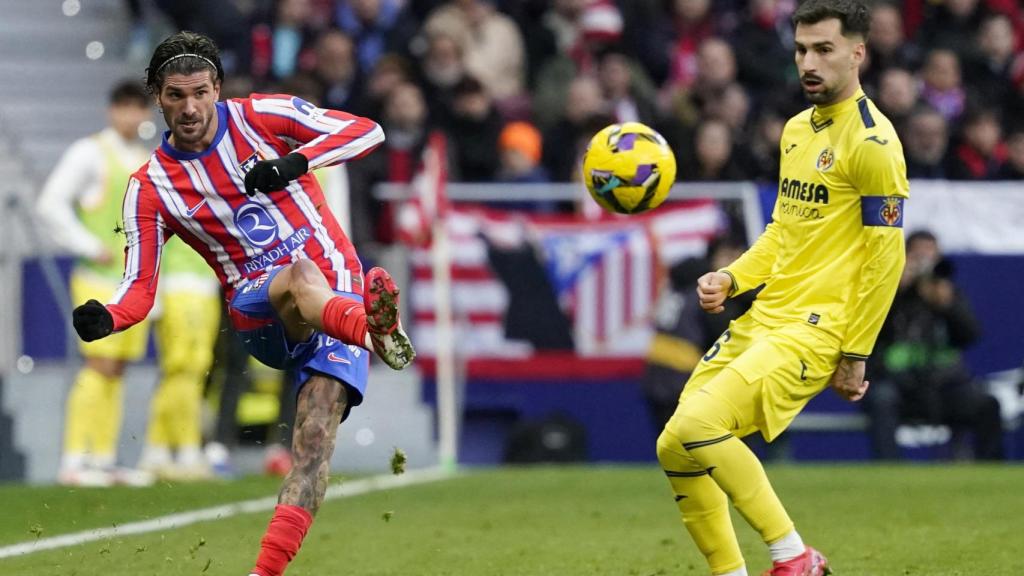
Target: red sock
(345,319)
(281,542)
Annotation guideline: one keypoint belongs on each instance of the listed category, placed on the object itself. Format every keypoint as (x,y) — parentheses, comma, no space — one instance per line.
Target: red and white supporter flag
(606,275)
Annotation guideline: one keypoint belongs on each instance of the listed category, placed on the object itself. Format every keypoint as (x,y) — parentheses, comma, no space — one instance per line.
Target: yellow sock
(81,420)
(702,505)
(705,424)
(108,420)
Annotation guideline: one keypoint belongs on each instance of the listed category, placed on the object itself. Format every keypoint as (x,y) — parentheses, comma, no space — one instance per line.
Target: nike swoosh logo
(876,139)
(192,211)
(335,358)
(791,146)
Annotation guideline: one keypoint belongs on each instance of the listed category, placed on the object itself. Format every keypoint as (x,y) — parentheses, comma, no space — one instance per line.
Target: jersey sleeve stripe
(318,119)
(865,113)
(131,231)
(161,239)
(322,125)
(359,145)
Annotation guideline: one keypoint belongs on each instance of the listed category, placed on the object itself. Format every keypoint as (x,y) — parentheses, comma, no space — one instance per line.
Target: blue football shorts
(264,337)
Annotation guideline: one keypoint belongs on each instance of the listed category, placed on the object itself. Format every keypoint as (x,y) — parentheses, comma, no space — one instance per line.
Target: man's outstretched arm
(322,137)
(145,235)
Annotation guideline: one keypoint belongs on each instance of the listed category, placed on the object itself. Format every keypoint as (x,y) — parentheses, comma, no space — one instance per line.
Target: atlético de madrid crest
(249,162)
(825,160)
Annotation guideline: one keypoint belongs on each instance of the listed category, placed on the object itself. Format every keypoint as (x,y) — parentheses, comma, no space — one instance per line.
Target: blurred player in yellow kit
(830,263)
(81,207)
(186,329)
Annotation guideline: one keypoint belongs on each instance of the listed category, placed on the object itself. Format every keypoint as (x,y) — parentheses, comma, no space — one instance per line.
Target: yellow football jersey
(833,254)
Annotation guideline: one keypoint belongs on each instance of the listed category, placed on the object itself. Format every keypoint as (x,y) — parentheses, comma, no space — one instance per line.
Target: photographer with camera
(917,372)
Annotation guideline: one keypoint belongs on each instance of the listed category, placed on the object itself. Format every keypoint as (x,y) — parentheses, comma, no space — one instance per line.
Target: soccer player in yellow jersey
(830,263)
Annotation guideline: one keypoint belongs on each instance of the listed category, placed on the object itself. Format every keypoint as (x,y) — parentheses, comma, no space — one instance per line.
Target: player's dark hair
(129,92)
(853,15)
(183,53)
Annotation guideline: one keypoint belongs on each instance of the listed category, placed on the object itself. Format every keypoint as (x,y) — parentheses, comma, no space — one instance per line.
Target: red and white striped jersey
(201,198)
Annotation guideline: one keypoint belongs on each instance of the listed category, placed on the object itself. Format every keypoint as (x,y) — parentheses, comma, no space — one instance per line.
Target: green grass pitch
(615,521)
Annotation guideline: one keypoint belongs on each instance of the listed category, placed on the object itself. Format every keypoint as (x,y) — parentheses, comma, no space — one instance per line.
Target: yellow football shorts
(129,345)
(782,369)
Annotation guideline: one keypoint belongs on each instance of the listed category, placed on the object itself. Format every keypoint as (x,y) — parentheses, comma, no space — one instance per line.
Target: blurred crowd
(520,85)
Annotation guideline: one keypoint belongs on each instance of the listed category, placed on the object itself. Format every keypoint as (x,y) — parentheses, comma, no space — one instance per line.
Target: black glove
(92,321)
(272,175)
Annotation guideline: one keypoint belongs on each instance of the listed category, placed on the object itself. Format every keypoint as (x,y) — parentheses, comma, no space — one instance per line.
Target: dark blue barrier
(43,332)
(613,413)
(992,284)
(43,328)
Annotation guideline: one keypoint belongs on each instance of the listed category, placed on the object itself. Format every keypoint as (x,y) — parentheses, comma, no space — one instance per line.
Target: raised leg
(299,294)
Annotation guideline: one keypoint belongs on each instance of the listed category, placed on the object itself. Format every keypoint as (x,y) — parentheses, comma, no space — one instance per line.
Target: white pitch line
(172,521)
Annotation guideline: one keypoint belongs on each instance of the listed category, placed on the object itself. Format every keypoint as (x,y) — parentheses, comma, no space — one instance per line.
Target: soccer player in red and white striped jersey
(232,179)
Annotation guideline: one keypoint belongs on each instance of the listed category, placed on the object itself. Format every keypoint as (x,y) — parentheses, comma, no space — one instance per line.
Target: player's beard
(824,94)
(185,136)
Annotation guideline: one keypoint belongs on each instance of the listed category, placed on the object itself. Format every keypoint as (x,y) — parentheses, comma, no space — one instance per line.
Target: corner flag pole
(447,405)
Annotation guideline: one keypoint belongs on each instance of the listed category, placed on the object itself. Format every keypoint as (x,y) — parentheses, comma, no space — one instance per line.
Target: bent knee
(304,267)
(307,281)
(669,448)
(690,425)
(305,274)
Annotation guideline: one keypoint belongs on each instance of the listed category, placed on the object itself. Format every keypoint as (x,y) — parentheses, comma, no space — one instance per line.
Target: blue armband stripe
(882,211)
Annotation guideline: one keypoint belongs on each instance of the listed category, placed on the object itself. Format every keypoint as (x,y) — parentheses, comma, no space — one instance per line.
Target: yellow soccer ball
(628,168)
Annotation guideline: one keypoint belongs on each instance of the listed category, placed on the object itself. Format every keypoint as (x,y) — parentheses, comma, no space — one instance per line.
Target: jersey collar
(822,116)
(222,127)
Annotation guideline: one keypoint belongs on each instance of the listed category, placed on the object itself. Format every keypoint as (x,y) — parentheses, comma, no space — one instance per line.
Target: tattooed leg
(320,406)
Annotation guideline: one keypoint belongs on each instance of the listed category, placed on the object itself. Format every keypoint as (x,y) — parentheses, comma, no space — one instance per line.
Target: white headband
(173,58)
